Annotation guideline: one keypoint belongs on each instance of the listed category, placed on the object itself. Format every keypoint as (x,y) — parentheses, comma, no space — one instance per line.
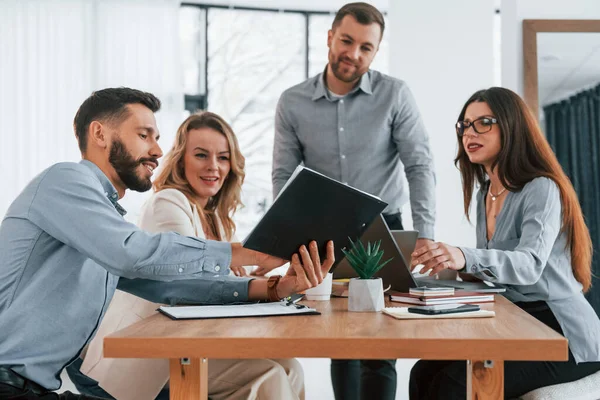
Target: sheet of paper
(402,313)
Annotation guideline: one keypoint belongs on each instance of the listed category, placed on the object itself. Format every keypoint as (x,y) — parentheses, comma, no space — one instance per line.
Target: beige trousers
(262,379)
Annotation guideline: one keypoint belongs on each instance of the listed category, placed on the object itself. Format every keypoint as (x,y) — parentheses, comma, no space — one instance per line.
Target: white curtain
(54,53)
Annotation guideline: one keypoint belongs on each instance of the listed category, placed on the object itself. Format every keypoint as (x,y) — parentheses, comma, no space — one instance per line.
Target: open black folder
(312,206)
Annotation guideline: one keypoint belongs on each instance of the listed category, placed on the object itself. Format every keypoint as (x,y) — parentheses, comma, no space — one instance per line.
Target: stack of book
(458,296)
(431,291)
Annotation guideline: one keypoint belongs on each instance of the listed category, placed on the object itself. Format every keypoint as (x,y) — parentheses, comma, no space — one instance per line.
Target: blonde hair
(172,175)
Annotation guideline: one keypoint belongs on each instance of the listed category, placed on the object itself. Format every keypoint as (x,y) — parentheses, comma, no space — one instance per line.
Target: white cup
(322,291)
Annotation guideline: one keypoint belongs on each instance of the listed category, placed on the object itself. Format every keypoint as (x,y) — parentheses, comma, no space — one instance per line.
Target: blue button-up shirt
(363,139)
(63,246)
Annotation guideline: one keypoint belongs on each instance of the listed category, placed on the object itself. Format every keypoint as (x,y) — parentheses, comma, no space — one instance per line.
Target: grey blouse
(527,254)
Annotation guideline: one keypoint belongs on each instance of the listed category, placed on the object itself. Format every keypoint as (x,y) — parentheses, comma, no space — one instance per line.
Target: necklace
(495,196)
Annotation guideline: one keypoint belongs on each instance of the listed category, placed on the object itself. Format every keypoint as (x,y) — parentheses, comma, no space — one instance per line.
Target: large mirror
(562,87)
(561,58)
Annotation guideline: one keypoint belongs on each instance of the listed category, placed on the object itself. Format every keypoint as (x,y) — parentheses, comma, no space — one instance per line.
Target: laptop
(406,241)
(396,274)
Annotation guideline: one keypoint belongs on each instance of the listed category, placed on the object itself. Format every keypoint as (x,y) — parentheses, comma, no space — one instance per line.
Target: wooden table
(485,343)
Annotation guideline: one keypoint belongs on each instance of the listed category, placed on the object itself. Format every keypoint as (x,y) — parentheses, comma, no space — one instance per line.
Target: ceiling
(567,64)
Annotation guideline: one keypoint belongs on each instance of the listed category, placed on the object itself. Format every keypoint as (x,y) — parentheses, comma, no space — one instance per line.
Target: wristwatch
(272,288)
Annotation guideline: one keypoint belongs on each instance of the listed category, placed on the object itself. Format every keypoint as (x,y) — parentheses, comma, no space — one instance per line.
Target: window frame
(199,101)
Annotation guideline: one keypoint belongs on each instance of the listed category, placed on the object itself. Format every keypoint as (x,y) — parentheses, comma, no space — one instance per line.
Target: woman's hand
(241,256)
(239,271)
(306,270)
(266,263)
(437,256)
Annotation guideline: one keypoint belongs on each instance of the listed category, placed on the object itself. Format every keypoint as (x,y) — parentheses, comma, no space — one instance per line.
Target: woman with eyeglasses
(531,239)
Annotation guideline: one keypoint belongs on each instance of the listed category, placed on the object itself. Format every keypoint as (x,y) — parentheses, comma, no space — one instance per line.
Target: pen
(293,299)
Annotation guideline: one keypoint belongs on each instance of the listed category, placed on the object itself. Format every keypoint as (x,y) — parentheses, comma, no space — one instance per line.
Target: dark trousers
(8,392)
(448,379)
(16,387)
(87,385)
(366,379)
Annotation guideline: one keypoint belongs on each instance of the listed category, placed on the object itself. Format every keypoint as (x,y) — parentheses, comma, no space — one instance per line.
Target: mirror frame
(531,27)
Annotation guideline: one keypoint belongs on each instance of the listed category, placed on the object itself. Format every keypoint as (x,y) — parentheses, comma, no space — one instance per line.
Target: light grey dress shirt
(527,255)
(63,246)
(361,139)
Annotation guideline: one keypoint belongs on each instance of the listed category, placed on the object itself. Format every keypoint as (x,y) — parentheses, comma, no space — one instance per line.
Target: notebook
(237,311)
(402,313)
(312,206)
(458,297)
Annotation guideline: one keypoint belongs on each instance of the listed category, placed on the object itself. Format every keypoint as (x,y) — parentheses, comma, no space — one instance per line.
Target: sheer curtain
(54,53)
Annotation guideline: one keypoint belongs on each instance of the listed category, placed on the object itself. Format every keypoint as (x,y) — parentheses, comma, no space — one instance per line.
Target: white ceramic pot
(365,295)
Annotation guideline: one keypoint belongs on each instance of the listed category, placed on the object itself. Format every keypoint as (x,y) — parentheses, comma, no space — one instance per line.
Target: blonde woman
(196,194)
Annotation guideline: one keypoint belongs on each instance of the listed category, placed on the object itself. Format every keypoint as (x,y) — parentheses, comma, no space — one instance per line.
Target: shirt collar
(109,189)
(321,88)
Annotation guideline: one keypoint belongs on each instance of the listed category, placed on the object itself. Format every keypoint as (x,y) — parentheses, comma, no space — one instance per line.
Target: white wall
(514,12)
(444,53)
(311,5)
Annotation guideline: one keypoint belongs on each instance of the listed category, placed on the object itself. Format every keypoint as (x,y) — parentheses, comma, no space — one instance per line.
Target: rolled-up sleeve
(207,290)
(521,261)
(82,217)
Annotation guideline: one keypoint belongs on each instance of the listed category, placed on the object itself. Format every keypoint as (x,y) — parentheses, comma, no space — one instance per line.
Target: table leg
(188,379)
(485,380)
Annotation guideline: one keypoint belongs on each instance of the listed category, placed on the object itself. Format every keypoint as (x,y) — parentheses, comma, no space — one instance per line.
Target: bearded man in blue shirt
(65,248)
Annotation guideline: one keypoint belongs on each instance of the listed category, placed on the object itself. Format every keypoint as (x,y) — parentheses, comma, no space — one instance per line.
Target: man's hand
(437,256)
(306,270)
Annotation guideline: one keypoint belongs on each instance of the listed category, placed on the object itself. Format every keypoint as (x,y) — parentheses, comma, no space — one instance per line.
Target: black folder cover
(313,206)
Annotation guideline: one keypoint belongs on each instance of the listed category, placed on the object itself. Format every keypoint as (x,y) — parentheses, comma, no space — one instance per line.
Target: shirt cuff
(217,257)
(425,231)
(474,266)
(235,290)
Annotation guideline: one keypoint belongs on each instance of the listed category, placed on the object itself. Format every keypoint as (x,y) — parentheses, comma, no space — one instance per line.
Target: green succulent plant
(365,261)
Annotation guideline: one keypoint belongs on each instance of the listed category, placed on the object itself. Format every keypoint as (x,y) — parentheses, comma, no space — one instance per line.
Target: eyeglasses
(480,125)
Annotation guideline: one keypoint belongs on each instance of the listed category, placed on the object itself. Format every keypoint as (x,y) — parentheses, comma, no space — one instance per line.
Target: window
(236,63)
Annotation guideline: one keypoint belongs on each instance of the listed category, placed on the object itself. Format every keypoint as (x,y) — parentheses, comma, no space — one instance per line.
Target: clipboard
(280,308)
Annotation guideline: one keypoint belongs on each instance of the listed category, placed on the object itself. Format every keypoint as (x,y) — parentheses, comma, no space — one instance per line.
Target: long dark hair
(525,155)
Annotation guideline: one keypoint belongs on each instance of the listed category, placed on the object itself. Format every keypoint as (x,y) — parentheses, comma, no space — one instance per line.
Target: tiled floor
(318,384)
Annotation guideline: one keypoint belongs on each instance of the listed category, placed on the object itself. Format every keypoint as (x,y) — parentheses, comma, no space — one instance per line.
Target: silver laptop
(406,241)
(396,274)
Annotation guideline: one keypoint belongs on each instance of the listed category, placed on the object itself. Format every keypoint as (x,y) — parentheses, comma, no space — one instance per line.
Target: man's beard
(126,167)
(336,67)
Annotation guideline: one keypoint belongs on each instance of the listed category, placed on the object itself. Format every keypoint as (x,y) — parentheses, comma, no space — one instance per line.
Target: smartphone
(443,309)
